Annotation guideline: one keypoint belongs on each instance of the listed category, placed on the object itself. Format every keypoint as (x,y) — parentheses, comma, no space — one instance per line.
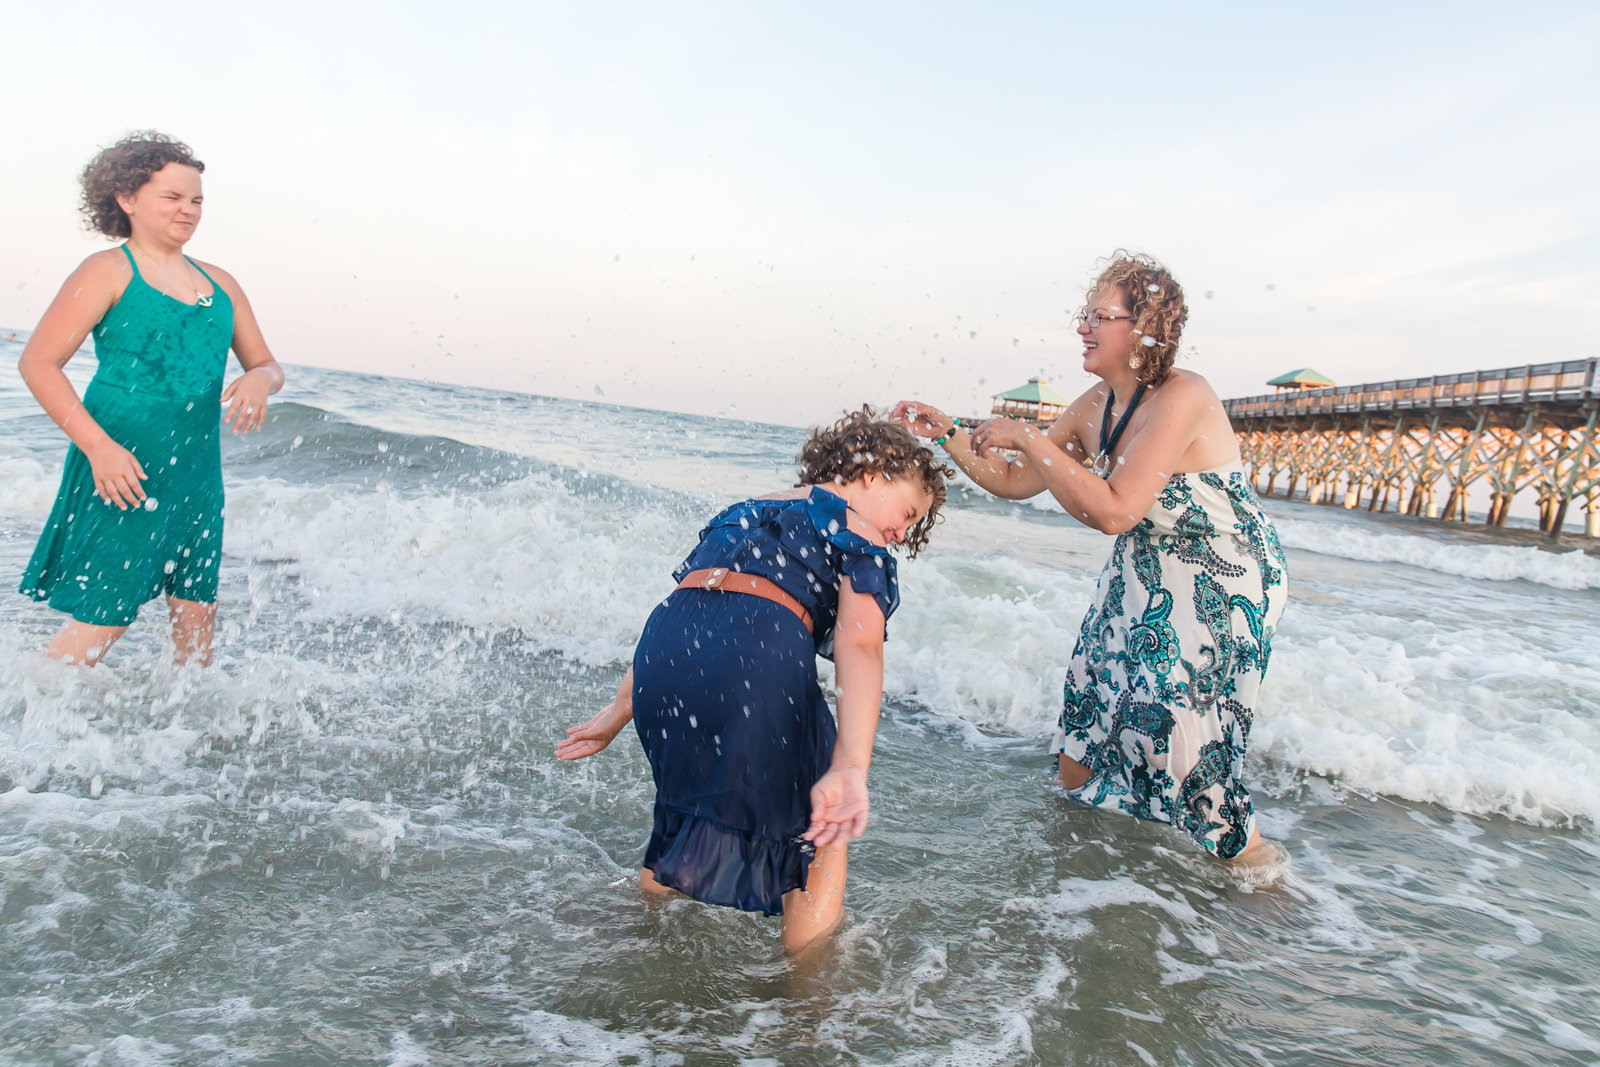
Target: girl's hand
(248,395)
(839,807)
(594,735)
(117,475)
(922,419)
(1003,433)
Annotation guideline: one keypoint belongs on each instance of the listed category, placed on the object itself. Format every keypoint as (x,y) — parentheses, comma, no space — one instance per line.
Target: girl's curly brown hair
(122,170)
(1155,300)
(861,444)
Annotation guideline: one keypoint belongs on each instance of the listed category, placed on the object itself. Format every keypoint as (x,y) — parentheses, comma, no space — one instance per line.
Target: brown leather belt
(723,580)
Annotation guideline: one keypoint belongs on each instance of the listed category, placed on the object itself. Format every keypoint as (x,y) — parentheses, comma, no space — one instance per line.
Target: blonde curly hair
(860,444)
(1154,299)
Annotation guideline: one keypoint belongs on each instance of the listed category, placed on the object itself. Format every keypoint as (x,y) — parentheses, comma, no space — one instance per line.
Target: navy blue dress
(726,701)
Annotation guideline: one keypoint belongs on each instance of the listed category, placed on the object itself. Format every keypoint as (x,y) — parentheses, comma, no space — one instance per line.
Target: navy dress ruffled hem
(701,858)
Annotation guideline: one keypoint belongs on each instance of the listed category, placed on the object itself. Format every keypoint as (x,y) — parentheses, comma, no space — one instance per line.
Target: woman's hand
(1003,433)
(596,734)
(248,395)
(117,474)
(924,420)
(839,807)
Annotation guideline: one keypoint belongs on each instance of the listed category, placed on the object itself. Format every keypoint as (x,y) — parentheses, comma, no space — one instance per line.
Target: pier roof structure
(1304,378)
(1035,401)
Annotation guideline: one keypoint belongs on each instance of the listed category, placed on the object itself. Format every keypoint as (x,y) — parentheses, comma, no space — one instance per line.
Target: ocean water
(349,842)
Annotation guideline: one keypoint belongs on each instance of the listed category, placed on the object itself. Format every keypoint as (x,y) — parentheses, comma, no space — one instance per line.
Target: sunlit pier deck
(1522,428)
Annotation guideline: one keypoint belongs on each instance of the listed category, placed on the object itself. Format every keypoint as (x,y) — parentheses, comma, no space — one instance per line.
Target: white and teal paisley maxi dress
(1162,687)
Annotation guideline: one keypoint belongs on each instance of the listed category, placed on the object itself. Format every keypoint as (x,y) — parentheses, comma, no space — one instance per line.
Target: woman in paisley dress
(1162,687)
(140,509)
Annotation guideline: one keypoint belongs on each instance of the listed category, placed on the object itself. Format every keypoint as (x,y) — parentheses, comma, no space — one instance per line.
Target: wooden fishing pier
(1519,428)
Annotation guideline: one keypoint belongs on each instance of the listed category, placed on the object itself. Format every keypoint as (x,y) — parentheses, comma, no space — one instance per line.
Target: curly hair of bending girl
(860,443)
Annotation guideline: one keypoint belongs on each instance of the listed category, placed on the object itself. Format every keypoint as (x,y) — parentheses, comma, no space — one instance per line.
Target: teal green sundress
(156,393)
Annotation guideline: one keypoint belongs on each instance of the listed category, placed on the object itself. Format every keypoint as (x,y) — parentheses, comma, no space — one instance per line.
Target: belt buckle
(714,579)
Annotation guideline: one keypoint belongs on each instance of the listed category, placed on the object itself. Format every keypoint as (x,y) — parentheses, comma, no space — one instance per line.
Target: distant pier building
(1413,440)
(1033,402)
(1304,378)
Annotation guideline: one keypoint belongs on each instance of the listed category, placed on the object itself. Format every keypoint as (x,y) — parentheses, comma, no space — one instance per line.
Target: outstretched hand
(924,420)
(839,807)
(1002,433)
(594,735)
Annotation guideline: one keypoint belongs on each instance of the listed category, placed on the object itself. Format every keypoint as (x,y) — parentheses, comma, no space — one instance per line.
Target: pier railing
(1571,381)
(1520,428)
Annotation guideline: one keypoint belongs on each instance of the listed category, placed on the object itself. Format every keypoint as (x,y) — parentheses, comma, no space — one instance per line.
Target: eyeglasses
(1094,319)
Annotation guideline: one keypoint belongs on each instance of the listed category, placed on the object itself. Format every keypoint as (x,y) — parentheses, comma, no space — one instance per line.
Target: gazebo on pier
(1304,378)
(1034,402)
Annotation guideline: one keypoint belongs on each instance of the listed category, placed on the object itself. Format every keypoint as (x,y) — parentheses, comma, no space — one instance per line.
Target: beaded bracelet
(954,426)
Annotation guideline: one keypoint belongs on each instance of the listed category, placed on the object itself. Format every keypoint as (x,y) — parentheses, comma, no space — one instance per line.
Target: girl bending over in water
(757,791)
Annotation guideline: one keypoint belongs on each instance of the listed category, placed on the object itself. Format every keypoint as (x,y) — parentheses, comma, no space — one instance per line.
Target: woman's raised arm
(996,474)
(1172,418)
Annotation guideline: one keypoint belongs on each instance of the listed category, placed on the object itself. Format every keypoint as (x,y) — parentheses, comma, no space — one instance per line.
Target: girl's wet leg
(82,642)
(194,627)
(812,913)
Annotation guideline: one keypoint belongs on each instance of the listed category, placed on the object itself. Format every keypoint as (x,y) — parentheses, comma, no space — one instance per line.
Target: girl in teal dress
(139,512)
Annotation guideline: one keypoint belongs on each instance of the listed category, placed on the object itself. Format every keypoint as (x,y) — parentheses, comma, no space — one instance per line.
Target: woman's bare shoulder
(1187,388)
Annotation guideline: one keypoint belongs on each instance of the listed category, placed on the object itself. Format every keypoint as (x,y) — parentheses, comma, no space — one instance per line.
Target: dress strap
(131,261)
(202,270)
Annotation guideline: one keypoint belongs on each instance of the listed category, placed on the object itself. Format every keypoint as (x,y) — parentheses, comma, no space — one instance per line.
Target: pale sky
(774,212)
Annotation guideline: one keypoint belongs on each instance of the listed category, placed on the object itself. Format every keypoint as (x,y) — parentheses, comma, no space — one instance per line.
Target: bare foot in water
(1262,862)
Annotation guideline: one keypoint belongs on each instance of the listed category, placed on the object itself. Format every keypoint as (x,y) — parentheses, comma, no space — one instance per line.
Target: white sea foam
(140,723)
(1500,563)
(579,1042)
(986,640)
(1472,719)
(1448,710)
(30,488)
(577,573)
(1079,895)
